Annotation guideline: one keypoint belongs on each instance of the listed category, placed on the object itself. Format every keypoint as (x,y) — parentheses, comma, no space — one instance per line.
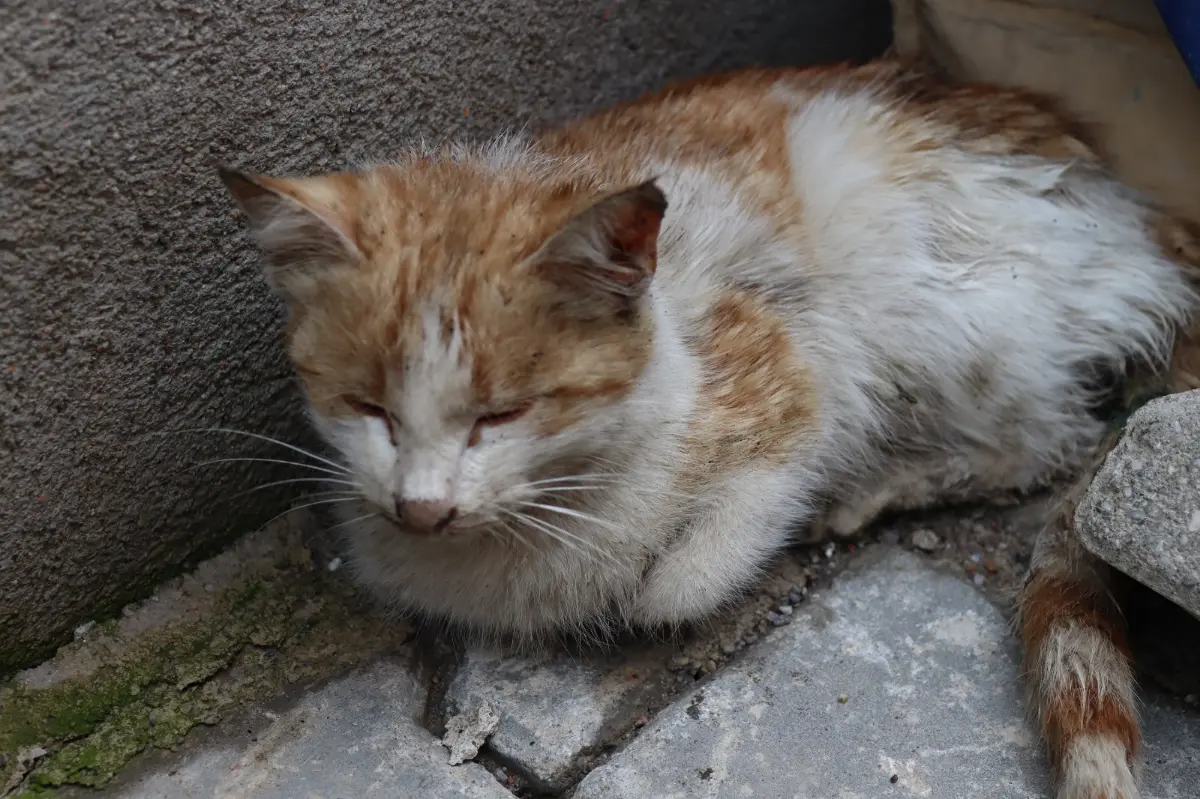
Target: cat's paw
(1095,767)
(841,522)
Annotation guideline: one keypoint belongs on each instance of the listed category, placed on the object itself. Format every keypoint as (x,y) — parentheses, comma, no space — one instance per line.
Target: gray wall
(130,303)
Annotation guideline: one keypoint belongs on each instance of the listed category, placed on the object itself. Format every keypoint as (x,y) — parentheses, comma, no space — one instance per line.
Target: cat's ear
(606,256)
(302,226)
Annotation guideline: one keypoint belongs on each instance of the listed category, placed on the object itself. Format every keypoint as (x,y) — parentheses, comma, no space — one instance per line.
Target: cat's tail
(1076,657)
(1077,664)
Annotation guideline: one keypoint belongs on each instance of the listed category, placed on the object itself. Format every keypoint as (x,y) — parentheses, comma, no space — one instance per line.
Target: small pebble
(500,775)
(796,595)
(925,540)
(843,699)
(895,779)
(334,564)
(678,662)
(829,548)
(778,619)
(978,579)
(84,629)
(786,610)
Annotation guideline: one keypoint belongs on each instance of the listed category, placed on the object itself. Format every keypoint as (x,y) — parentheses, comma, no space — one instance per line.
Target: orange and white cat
(602,374)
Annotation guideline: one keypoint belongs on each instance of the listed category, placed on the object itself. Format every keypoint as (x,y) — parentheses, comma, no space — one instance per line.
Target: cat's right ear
(302,226)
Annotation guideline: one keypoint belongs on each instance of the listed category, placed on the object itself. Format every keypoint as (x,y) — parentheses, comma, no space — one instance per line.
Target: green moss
(294,626)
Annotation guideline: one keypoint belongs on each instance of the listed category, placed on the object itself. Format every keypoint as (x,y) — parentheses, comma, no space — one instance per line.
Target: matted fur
(640,353)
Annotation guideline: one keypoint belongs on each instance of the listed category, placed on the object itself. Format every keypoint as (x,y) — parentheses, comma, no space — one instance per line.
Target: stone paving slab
(1142,511)
(553,709)
(356,738)
(899,681)
(898,672)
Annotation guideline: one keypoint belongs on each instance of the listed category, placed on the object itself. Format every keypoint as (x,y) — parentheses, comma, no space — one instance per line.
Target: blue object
(1182,18)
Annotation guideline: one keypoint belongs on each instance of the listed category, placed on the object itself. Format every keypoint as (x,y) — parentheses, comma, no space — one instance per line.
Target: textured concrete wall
(130,303)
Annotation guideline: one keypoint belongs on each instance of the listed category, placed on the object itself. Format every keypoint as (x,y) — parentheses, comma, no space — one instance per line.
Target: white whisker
(296,480)
(554,489)
(261,437)
(513,532)
(352,521)
(564,537)
(301,464)
(569,478)
(555,533)
(571,512)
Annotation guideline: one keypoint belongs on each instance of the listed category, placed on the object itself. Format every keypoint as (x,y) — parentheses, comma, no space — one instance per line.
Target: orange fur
(759,399)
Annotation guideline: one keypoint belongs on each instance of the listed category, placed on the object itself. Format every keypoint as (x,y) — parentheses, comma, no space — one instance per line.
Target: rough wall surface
(130,304)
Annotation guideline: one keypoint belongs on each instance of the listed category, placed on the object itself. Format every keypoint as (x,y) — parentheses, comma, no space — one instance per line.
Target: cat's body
(862,291)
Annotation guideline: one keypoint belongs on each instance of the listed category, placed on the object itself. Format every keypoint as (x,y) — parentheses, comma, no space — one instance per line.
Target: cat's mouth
(459,527)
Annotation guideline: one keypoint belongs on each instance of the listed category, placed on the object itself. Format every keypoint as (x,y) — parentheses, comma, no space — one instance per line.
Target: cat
(600,375)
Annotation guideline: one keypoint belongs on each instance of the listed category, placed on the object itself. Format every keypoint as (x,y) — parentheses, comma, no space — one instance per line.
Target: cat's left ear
(301,225)
(610,251)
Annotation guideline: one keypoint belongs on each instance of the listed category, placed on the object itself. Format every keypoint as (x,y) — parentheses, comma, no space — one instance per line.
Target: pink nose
(426,515)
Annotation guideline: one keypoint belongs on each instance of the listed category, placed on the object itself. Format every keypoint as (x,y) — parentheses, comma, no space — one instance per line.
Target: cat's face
(461,334)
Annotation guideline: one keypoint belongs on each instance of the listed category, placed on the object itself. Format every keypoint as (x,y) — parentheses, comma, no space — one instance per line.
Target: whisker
(513,532)
(261,437)
(554,489)
(301,464)
(569,478)
(352,521)
(564,537)
(556,534)
(295,480)
(573,513)
(295,508)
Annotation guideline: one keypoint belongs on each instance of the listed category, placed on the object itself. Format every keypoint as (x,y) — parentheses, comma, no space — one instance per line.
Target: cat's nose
(426,515)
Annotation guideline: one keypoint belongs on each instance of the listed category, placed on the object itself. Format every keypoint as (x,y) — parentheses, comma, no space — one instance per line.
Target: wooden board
(1111,62)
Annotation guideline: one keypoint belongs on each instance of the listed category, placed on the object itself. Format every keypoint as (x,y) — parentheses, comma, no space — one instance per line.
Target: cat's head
(461,332)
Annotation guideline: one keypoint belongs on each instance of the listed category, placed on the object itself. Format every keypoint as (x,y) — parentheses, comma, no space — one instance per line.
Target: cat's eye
(504,417)
(497,419)
(368,408)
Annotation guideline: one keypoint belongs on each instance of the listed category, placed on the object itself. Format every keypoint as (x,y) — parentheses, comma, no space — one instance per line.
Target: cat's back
(749,128)
(903,231)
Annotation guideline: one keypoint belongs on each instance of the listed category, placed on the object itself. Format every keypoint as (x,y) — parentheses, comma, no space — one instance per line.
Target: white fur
(1082,662)
(1096,766)
(945,308)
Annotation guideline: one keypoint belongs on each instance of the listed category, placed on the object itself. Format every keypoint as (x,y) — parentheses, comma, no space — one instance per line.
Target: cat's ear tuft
(302,226)
(609,252)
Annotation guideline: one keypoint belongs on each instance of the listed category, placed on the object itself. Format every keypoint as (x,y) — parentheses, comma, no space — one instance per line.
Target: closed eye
(496,420)
(367,408)
(504,417)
